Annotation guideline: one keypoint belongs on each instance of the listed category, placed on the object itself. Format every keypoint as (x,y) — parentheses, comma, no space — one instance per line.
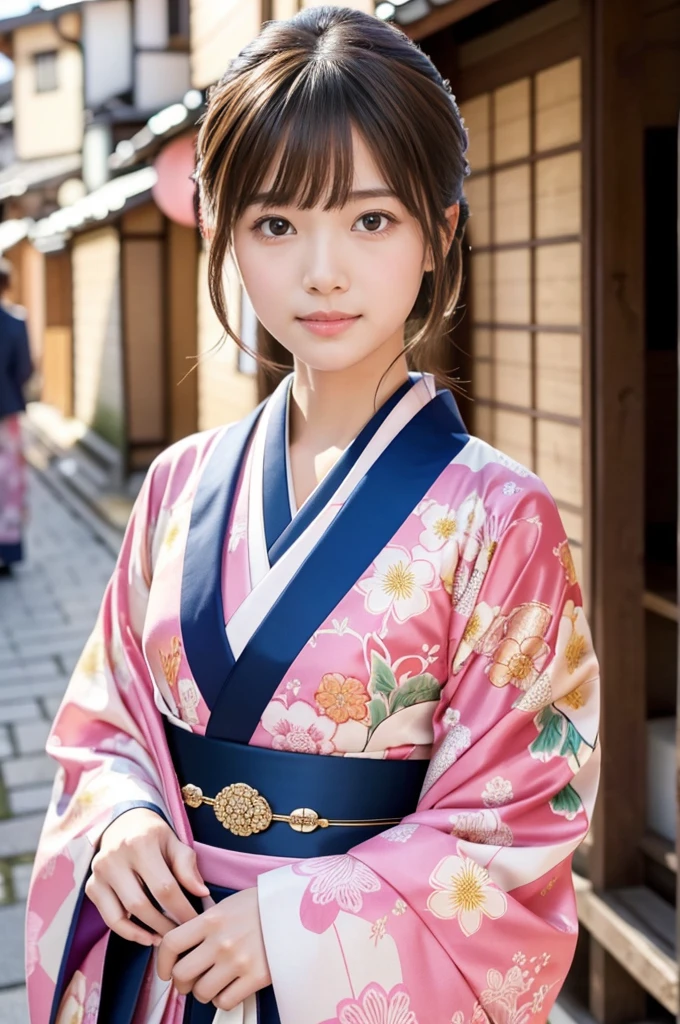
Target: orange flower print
(171,662)
(342,698)
(563,552)
(519,657)
(518,663)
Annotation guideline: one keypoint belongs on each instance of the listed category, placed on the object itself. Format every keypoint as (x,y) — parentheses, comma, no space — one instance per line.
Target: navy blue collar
(280,526)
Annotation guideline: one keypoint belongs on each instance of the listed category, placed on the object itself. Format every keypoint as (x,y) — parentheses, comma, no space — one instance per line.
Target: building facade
(568,336)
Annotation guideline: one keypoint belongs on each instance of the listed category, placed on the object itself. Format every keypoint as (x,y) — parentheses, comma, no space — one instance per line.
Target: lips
(332,315)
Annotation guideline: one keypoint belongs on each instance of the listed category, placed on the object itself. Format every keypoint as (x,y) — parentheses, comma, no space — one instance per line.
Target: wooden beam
(637,928)
(614,269)
(442,17)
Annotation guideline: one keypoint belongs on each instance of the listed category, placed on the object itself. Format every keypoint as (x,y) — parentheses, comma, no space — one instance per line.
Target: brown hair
(295,92)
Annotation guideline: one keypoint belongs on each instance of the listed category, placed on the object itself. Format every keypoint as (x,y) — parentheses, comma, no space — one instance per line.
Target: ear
(452,214)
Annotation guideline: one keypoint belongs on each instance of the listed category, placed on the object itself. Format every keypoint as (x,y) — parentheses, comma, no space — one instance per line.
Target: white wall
(107,39)
(161,79)
(151,24)
(47,123)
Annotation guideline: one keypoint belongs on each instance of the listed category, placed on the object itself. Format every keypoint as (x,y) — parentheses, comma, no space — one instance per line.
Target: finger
(165,888)
(182,860)
(189,968)
(176,942)
(115,917)
(237,992)
(213,982)
(136,902)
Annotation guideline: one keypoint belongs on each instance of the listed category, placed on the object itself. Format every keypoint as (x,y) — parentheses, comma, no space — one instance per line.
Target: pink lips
(328,323)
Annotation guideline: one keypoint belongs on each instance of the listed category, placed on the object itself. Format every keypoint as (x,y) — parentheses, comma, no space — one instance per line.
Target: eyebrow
(264,198)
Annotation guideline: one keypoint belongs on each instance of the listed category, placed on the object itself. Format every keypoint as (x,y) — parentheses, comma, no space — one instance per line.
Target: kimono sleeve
(465,912)
(102,744)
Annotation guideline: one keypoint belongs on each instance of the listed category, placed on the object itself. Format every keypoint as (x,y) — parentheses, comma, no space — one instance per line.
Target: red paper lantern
(174,190)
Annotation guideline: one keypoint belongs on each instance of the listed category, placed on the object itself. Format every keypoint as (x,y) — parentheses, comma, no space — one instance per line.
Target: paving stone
(13,1006)
(31,736)
(11,946)
(29,799)
(28,771)
(19,836)
(50,689)
(6,749)
(52,705)
(18,711)
(21,877)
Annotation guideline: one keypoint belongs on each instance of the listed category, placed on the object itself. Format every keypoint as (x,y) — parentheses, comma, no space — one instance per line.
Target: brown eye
(371,221)
(277,227)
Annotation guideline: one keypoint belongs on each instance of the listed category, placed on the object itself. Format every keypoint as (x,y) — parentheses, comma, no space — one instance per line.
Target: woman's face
(364,261)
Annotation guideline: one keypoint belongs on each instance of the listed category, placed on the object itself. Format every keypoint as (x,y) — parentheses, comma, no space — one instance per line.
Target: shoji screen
(525,278)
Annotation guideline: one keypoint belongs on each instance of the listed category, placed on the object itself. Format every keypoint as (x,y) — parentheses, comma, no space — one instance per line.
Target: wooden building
(568,336)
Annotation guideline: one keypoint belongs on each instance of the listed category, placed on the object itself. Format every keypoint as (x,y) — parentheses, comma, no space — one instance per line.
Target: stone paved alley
(47,610)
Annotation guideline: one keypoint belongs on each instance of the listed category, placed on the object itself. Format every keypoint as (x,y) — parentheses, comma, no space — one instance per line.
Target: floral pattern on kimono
(463,643)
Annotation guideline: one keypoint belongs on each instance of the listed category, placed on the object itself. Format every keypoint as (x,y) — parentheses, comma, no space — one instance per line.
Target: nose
(324,272)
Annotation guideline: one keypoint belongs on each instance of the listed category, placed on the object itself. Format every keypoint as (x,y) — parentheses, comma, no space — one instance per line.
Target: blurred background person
(15,370)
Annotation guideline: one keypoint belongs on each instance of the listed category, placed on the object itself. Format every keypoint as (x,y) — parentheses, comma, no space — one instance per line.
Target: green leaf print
(550,736)
(566,802)
(382,677)
(416,690)
(378,712)
(572,742)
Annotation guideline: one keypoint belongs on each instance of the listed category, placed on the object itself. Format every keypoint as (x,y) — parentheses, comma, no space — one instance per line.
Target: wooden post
(677,710)
(614,265)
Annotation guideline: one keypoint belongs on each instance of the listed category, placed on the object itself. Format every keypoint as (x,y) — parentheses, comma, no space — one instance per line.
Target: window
(45,71)
(178,18)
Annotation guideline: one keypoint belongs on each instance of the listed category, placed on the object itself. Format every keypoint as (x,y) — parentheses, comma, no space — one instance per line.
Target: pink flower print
(34,924)
(399,585)
(298,728)
(338,883)
(376,1006)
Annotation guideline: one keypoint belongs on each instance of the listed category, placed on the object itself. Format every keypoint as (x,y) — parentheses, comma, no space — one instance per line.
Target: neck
(329,408)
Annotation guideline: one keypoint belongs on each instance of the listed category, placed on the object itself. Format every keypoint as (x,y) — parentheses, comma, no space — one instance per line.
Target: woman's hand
(225,959)
(140,850)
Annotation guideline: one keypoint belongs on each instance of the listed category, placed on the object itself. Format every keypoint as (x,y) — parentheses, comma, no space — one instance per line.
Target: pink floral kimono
(417,628)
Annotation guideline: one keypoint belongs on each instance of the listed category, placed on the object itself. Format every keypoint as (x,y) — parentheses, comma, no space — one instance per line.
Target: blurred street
(47,609)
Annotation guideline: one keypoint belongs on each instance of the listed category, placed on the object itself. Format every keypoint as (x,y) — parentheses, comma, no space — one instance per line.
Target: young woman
(333,742)
(15,370)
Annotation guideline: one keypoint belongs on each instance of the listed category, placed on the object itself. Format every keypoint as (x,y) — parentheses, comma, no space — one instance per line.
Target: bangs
(305,132)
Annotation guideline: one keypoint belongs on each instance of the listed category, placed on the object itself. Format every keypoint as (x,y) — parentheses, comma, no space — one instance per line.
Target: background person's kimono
(463,640)
(15,371)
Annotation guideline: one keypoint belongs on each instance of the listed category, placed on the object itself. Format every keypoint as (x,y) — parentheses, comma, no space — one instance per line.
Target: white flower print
(511,488)
(399,833)
(456,741)
(440,523)
(498,791)
(376,1006)
(341,879)
(464,890)
(399,585)
(298,728)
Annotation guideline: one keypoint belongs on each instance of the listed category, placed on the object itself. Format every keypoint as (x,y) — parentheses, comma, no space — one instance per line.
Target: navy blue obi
(374,792)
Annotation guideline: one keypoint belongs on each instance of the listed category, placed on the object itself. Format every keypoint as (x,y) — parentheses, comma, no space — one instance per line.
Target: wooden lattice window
(525,306)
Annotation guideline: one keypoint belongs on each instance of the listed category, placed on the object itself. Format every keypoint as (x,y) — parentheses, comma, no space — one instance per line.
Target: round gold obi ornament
(242,810)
